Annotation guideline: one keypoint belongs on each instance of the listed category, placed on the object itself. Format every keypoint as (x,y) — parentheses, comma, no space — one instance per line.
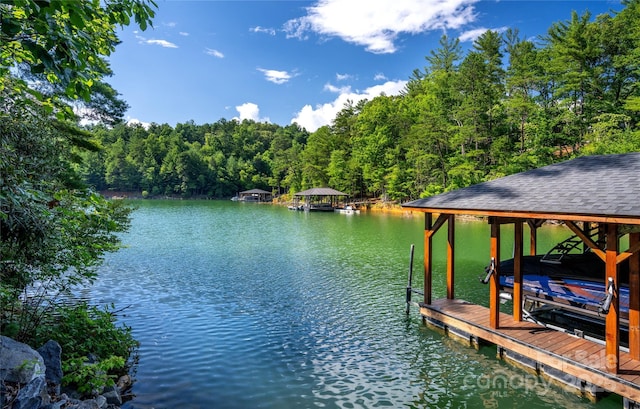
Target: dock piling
(409,290)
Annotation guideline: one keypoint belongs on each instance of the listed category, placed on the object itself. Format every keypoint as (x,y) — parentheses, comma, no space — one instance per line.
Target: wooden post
(586,229)
(494,283)
(634,298)
(450,256)
(517,271)
(428,262)
(612,326)
(533,237)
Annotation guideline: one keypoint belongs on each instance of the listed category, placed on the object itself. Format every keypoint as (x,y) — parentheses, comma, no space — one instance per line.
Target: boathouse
(254,195)
(600,192)
(319,199)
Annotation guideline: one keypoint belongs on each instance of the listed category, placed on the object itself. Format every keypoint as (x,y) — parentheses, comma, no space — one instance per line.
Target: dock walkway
(544,350)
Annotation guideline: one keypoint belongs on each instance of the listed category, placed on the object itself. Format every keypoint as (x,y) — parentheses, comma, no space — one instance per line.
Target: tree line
(506,105)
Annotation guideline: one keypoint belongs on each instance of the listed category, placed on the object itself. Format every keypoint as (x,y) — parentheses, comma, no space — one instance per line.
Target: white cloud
(377,25)
(184,34)
(313,118)
(134,121)
(213,53)
(162,43)
(342,77)
(472,35)
(334,89)
(249,110)
(275,76)
(265,30)
(380,77)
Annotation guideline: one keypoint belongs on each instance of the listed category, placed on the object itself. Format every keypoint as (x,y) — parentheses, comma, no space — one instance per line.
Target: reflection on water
(248,306)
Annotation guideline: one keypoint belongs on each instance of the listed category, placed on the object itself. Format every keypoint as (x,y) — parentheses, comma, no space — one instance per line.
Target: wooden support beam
(612,325)
(632,250)
(517,271)
(450,256)
(587,240)
(494,283)
(505,220)
(588,229)
(430,229)
(634,297)
(442,218)
(428,254)
(534,224)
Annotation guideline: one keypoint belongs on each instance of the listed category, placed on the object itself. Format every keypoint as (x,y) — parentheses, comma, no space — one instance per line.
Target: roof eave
(618,219)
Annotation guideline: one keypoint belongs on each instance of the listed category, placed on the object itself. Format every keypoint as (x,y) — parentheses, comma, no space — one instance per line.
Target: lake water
(256,306)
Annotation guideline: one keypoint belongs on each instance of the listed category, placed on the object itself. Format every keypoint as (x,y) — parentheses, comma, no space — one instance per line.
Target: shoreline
(374,206)
(366,207)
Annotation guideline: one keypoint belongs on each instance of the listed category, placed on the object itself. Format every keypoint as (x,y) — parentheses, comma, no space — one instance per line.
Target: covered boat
(567,290)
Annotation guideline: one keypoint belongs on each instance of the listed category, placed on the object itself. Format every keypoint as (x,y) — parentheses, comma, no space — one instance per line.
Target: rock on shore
(30,379)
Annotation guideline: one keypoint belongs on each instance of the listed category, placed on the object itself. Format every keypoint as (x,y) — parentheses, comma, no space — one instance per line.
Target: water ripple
(240,306)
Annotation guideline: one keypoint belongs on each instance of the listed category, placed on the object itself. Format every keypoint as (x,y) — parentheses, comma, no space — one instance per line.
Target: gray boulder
(101,401)
(112,394)
(19,362)
(51,353)
(88,404)
(33,395)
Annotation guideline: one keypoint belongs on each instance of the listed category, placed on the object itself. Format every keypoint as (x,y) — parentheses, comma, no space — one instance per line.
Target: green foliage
(213,160)
(54,230)
(90,378)
(65,42)
(83,330)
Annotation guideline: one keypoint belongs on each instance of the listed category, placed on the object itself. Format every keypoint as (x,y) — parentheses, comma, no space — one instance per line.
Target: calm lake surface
(256,306)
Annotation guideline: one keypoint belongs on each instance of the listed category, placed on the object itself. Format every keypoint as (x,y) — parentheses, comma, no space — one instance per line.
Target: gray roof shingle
(252,191)
(600,185)
(321,191)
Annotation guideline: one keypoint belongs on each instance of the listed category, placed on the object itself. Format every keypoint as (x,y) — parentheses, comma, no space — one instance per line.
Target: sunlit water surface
(256,306)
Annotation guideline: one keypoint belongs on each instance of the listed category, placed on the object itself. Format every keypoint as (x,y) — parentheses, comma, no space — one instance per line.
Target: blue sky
(299,61)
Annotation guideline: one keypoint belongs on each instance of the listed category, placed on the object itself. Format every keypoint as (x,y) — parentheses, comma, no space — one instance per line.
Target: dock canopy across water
(256,195)
(320,198)
(321,191)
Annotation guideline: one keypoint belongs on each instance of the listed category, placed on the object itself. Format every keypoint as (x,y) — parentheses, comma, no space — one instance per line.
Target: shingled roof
(256,191)
(602,186)
(321,191)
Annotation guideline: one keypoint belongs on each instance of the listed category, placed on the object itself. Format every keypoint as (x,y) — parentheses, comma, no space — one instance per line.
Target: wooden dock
(585,194)
(565,357)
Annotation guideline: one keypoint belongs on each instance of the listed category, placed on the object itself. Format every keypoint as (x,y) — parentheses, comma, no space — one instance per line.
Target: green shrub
(83,331)
(91,378)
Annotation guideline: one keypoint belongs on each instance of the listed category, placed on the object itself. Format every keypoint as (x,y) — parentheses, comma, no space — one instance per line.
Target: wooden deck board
(575,356)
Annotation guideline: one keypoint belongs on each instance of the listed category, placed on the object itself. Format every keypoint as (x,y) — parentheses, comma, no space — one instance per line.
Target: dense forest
(506,105)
